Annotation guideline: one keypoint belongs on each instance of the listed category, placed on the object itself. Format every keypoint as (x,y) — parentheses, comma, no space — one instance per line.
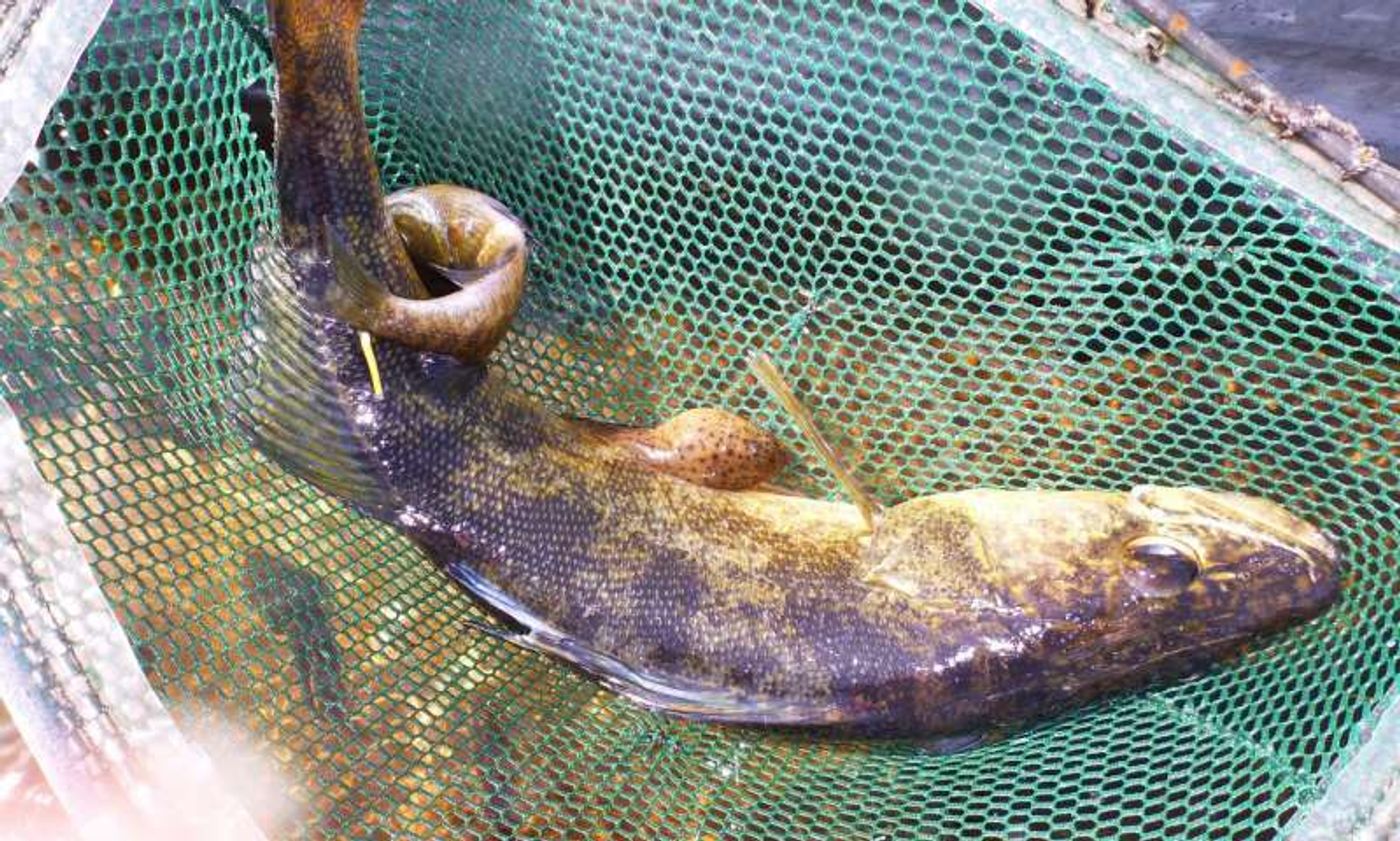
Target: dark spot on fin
(709,447)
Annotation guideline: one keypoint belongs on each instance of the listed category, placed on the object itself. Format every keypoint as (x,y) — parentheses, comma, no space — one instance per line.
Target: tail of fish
(325,166)
(305,379)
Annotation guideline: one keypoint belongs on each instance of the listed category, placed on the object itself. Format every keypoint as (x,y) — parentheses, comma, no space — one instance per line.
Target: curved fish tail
(466,324)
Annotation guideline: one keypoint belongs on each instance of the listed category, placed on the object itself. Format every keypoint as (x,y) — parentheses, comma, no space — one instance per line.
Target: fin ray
(350,293)
(288,395)
(768,374)
(462,278)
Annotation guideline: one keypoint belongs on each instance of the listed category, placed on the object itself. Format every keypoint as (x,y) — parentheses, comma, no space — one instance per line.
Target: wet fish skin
(477,248)
(325,167)
(961,612)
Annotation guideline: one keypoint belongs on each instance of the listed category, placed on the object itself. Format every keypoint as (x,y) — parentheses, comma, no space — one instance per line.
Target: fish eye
(1158,566)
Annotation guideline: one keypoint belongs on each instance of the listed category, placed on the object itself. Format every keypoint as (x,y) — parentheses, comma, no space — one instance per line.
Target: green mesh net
(978,266)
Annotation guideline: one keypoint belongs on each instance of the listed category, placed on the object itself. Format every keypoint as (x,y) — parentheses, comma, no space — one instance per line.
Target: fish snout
(1308,545)
(1307,578)
(1281,544)
(1298,556)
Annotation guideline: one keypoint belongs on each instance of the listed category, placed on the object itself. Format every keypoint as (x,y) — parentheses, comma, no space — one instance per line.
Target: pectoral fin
(929,549)
(287,394)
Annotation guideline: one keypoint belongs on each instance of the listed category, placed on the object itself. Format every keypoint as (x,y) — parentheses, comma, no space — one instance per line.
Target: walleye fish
(947,614)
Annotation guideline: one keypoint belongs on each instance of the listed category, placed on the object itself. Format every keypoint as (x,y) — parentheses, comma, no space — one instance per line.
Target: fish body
(957,613)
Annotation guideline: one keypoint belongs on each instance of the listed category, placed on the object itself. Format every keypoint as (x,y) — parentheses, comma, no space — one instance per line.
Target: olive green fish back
(978,264)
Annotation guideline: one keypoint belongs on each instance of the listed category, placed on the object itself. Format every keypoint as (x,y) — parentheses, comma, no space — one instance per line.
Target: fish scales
(959,612)
(594,551)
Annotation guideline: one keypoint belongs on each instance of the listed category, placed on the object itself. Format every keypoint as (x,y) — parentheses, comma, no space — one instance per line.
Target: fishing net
(980,260)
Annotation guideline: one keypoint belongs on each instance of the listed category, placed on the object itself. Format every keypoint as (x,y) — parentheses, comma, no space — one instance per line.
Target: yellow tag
(367,347)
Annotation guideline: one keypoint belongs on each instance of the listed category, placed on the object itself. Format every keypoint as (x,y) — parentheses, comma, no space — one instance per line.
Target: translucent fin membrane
(290,401)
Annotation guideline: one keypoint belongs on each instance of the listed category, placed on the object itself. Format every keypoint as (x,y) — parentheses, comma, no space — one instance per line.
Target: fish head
(1156,576)
(1242,563)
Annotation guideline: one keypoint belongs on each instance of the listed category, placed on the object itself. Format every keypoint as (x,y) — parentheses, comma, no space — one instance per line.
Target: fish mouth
(1310,580)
